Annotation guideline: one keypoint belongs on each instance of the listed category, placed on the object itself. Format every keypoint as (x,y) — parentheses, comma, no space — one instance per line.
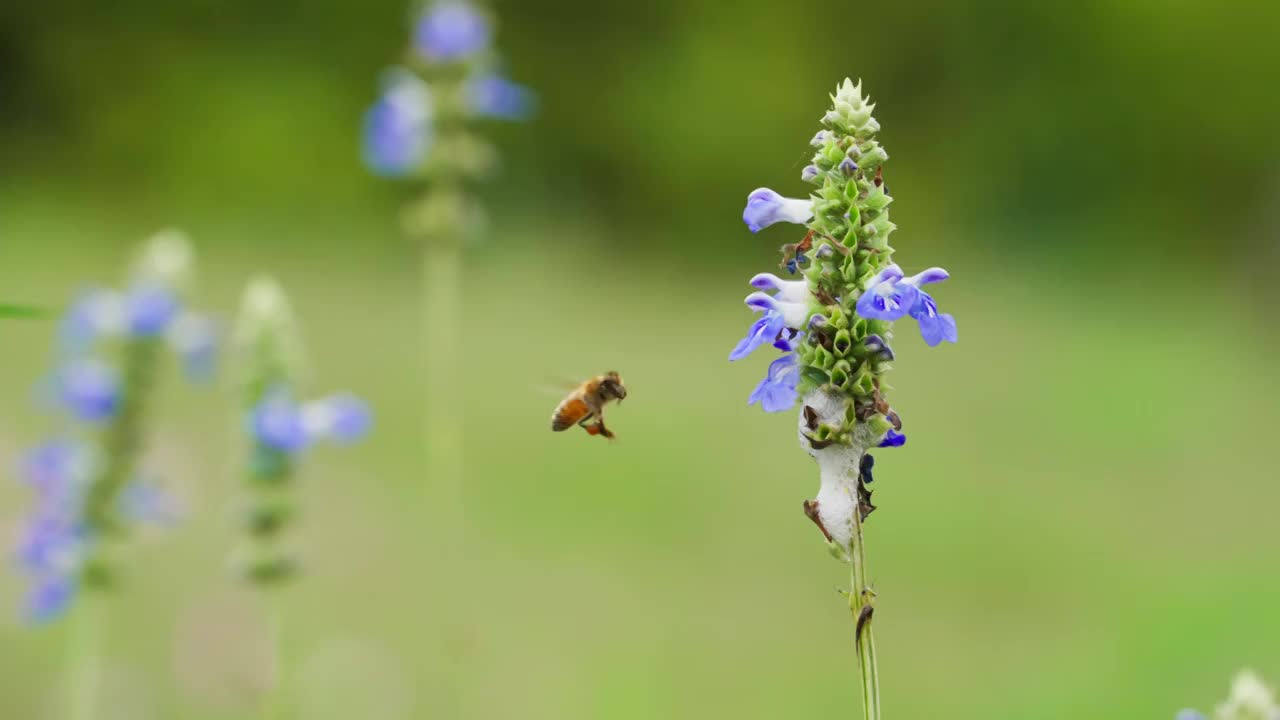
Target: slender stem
(861,596)
(443,442)
(84,662)
(273,700)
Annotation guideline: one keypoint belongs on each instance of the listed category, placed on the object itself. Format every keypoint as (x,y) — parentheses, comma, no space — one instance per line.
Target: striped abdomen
(569,412)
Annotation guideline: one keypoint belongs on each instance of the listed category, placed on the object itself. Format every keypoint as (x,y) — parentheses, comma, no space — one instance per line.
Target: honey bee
(586,402)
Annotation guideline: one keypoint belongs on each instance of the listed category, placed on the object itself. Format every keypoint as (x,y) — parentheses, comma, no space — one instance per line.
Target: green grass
(1081,525)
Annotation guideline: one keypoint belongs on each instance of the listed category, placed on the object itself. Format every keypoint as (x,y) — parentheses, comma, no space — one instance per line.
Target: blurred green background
(1082,525)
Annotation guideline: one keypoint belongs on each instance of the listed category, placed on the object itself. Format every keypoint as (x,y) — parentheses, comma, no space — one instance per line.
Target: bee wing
(558,387)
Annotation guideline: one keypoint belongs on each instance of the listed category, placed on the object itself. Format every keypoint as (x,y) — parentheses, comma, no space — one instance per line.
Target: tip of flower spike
(166,260)
(266,324)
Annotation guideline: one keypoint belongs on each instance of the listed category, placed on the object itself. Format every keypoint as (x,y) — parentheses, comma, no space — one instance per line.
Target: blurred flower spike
(451,78)
(279,428)
(87,483)
(1251,699)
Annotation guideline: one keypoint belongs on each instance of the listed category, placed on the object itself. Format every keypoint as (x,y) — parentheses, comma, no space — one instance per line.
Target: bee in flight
(584,406)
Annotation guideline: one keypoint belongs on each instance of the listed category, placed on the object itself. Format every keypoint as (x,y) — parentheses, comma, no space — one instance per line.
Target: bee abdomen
(569,413)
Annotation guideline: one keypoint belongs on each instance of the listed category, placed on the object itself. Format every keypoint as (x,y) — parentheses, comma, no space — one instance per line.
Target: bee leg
(604,430)
(598,428)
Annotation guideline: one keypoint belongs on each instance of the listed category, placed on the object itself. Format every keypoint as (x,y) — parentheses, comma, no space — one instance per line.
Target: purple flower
(778,317)
(397,129)
(777,391)
(195,338)
(821,138)
(495,96)
(793,291)
(893,438)
(848,167)
(876,345)
(52,466)
(281,424)
(94,314)
(766,207)
(451,30)
(149,309)
(886,296)
(277,423)
(342,418)
(90,389)
(809,174)
(935,327)
(49,596)
(144,502)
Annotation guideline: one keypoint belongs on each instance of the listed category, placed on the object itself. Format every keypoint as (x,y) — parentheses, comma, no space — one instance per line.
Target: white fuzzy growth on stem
(838,467)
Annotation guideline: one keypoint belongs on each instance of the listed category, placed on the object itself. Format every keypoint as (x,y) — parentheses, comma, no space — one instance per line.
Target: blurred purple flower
(495,96)
(342,418)
(149,309)
(397,129)
(282,424)
(90,389)
(49,596)
(96,313)
(451,30)
(195,338)
(277,423)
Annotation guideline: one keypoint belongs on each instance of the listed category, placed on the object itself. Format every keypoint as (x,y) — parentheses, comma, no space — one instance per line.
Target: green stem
(273,700)
(84,662)
(122,439)
(861,596)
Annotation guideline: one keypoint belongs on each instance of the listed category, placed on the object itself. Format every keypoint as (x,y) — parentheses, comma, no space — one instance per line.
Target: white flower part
(795,315)
(838,467)
(190,333)
(796,210)
(167,259)
(104,312)
(266,317)
(408,94)
(319,419)
(787,290)
(1250,699)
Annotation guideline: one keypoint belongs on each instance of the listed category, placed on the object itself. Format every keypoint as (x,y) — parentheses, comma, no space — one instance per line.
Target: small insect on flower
(586,402)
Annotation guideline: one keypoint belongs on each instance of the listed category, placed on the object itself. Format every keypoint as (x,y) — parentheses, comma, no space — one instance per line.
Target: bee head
(612,386)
